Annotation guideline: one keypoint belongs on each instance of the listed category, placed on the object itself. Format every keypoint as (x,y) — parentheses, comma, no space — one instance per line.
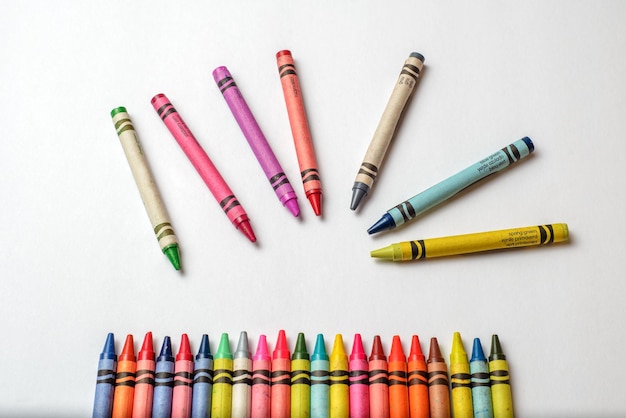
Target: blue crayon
(320,380)
(449,187)
(105,382)
(481,389)
(163,382)
(202,381)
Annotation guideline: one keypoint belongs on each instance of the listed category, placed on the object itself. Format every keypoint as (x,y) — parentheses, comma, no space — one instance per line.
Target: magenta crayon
(163,381)
(379,381)
(183,380)
(261,148)
(281,379)
(261,369)
(300,130)
(105,382)
(438,382)
(242,378)
(417,381)
(144,381)
(125,381)
(358,369)
(203,165)
(398,390)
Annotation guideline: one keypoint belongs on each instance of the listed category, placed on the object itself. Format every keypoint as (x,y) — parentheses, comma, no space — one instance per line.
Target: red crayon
(125,381)
(438,382)
(281,379)
(144,383)
(398,391)
(379,381)
(359,380)
(183,380)
(417,381)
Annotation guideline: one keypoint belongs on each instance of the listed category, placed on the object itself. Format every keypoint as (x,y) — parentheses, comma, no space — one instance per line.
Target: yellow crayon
(500,381)
(473,243)
(460,380)
(339,377)
(222,391)
(300,380)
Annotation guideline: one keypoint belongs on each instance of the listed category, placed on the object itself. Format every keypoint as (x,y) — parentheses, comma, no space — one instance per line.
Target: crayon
(261,369)
(125,381)
(438,392)
(359,380)
(242,378)
(203,165)
(300,380)
(222,398)
(202,380)
(163,381)
(261,148)
(500,381)
(379,381)
(386,128)
(473,243)
(105,382)
(281,379)
(148,189)
(417,381)
(144,381)
(444,190)
(339,380)
(481,388)
(398,390)
(460,380)
(320,380)
(300,130)
(183,380)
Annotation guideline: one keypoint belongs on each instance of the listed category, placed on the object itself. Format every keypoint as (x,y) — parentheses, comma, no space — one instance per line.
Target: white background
(79,259)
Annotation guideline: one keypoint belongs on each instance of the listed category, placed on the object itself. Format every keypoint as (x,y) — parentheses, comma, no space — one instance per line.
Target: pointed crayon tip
(108,352)
(359,191)
(385,223)
(338,348)
(316,203)
(262,352)
(173,254)
(223,350)
(416,350)
(166,350)
(319,352)
(434,353)
(282,349)
(496,349)
(128,351)
(293,207)
(205,349)
(386,253)
(358,353)
(477,351)
(184,351)
(147,348)
(242,350)
(457,351)
(246,229)
(396,353)
(377,350)
(300,352)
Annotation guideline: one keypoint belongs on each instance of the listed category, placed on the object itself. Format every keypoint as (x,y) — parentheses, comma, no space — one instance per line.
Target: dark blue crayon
(163,382)
(202,381)
(105,382)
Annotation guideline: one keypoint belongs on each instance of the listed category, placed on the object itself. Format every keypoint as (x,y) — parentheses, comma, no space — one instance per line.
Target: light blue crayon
(481,389)
(163,381)
(202,380)
(449,187)
(105,382)
(320,380)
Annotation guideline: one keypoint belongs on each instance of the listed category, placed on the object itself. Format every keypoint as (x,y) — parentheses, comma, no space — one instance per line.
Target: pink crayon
(183,380)
(281,379)
(251,130)
(203,165)
(144,381)
(261,372)
(359,380)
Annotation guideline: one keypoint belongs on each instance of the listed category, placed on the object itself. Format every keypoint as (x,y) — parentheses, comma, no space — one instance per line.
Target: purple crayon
(251,130)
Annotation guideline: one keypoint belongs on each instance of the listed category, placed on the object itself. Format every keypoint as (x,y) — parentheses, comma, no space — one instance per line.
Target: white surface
(79,259)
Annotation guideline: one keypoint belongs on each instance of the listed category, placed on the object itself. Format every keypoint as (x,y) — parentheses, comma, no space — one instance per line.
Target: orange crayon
(398,391)
(417,381)
(438,382)
(280,389)
(300,130)
(125,381)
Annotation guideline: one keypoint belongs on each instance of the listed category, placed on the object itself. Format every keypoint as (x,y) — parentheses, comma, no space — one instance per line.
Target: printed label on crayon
(493,162)
(408,81)
(523,237)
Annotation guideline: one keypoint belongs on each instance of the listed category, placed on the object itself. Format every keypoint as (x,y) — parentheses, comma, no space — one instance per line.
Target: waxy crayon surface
(125,381)
(481,386)
(379,381)
(105,382)
(183,380)
(163,381)
(359,380)
(339,380)
(222,397)
(261,369)
(501,396)
(202,380)
(460,380)
(320,380)
(281,378)
(144,380)
(417,380)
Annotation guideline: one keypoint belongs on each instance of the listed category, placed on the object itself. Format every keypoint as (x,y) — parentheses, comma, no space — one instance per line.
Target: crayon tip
(529,144)
(282,349)
(359,191)
(319,352)
(396,353)
(338,348)
(120,109)
(108,352)
(128,351)
(358,353)
(292,206)
(147,348)
(434,354)
(246,229)
(386,253)
(205,349)
(416,350)
(262,352)
(283,52)
(316,203)
(386,222)
(477,351)
(242,350)
(166,350)
(173,254)
(457,351)
(184,351)
(496,349)
(417,55)
(377,350)
(223,350)
(300,352)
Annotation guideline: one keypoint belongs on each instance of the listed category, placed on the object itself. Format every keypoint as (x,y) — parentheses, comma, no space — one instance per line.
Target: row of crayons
(299,385)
